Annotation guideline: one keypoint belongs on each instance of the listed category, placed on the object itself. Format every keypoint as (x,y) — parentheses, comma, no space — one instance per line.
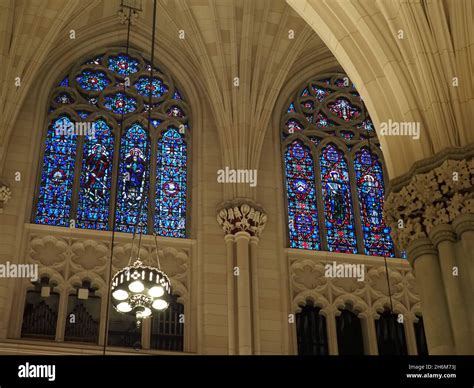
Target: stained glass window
(343,109)
(302,210)
(133,180)
(54,198)
(170,216)
(120,103)
(370,188)
(116,160)
(64,98)
(157,87)
(94,196)
(123,64)
(175,111)
(92,80)
(318,170)
(337,201)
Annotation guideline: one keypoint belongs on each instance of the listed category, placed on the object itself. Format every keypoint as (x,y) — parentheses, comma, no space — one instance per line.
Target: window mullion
(152,185)
(356,206)
(319,198)
(115,177)
(76,185)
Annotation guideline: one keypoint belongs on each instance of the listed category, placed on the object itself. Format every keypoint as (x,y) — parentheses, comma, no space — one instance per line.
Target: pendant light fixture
(140,289)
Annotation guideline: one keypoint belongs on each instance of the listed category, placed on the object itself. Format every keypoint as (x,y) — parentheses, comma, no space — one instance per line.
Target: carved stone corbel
(242,215)
(5,195)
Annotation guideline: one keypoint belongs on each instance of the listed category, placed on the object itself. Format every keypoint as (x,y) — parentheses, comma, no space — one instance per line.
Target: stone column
(464,227)
(103,325)
(330,315)
(62,311)
(369,334)
(444,239)
(229,240)
(255,302)
(423,257)
(410,337)
(243,293)
(242,222)
(426,209)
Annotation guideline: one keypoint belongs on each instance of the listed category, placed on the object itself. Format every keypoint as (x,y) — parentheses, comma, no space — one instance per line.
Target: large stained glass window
(107,155)
(302,210)
(326,135)
(54,197)
(170,217)
(132,202)
(370,189)
(96,175)
(337,201)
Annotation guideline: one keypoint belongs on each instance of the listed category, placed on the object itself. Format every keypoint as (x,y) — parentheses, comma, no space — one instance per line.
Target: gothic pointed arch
(334,172)
(100,147)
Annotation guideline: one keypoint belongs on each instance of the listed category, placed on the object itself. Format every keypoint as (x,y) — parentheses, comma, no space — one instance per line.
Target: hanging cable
(114,208)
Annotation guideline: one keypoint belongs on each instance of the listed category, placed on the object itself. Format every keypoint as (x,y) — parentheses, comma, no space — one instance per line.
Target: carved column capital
(442,232)
(5,195)
(420,247)
(426,198)
(241,215)
(464,223)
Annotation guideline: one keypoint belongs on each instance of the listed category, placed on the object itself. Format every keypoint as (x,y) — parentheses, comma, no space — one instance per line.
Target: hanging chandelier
(140,289)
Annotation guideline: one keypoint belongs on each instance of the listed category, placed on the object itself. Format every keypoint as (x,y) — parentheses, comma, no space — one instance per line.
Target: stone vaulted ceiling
(226,41)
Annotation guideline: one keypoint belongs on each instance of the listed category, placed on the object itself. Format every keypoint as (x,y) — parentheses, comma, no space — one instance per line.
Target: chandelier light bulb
(160,304)
(120,294)
(144,314)
(136,286)
(124,307)
(156,292)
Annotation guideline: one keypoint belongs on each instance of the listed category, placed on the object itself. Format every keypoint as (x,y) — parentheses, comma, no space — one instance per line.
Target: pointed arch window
(334,171)
(97,148)
(302,210)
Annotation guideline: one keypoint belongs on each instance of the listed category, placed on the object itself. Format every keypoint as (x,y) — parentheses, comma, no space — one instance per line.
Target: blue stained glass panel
(83,114)
(123,64)
(177,95)
(337,201)
(155,122)
(92,81)
(302,210)
(96,175)
(157,87)
(64,82)
(170,205)
(120,103)
(370,189)
(54,199)
(133,180)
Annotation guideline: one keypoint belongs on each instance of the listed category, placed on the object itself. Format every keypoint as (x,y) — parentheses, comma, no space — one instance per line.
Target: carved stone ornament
(5,195)
(309,282)
(124,13)
(429,199)
(242,216)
